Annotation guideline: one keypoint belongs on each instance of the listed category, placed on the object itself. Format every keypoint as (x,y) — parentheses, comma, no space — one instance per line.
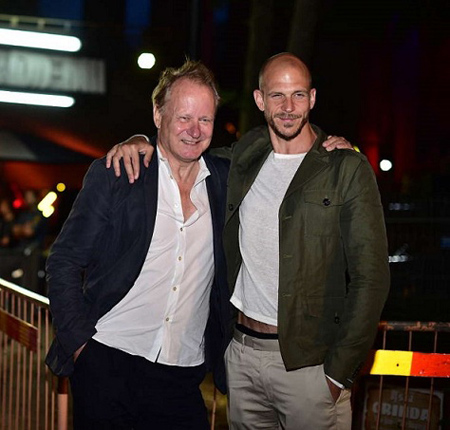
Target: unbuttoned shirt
(163,317)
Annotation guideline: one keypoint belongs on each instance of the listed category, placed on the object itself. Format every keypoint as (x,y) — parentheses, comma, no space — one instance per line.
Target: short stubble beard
(279,133)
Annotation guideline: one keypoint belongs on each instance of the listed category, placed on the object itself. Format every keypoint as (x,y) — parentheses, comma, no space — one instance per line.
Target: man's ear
(157,116)
(259,99)
(312,98)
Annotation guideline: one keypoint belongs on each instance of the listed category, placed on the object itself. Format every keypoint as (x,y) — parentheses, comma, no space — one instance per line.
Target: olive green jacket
(334,273)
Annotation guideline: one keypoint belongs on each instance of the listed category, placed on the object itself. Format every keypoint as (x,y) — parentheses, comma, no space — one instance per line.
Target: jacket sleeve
(364,237)
(73,251)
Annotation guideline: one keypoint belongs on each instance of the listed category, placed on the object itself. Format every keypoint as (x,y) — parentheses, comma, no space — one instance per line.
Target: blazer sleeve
(364,237)
(73,251)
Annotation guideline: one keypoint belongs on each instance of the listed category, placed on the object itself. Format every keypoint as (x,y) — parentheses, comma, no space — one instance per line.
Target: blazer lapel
(150,195)
(213,187)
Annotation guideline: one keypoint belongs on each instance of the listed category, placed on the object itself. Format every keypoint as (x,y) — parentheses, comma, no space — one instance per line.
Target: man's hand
(336,142)
(129,150)
(334,390)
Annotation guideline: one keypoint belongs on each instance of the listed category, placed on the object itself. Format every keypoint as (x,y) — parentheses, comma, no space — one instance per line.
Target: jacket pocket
(323,209)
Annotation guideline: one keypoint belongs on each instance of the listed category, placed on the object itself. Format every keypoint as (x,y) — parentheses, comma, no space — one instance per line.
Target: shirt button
(174,288)
(179,258)
(171,177)
(167,319)
(181,228)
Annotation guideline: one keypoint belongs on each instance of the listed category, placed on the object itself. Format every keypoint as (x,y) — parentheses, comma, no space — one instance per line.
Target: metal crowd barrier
(404,385)
(30,396)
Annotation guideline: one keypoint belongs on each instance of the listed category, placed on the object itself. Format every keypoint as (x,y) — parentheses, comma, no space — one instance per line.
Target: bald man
(307,259)
(307,262)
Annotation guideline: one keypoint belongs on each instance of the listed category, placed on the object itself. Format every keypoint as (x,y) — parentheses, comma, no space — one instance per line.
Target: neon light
(34,39)
(36,99)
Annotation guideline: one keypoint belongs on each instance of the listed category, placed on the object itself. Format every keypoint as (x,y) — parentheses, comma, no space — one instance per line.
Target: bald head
(286,98)
(280,62)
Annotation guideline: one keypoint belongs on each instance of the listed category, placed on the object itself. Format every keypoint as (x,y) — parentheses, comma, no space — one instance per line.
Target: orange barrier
(409,363)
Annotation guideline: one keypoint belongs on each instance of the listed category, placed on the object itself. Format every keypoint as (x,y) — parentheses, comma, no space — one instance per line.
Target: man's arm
(130,149)
(72,253)
(364,238)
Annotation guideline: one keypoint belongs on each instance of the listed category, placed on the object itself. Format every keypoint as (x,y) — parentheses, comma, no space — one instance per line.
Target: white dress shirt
(163,317)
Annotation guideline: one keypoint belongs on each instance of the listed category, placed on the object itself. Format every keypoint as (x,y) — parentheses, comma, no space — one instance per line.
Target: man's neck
(299,145)
(184,173)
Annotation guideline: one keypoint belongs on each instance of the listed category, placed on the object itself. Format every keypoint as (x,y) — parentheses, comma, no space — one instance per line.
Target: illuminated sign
(43,72)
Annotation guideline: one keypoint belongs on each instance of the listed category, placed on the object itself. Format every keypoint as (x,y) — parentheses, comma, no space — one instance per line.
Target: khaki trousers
(263,395)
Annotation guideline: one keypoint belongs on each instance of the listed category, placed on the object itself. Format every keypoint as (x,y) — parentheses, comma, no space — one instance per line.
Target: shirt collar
(203,172)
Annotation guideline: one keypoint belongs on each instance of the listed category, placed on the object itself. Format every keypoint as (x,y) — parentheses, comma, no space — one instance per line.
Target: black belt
(256,343)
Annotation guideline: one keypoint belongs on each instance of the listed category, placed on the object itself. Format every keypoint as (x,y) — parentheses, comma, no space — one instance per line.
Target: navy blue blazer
(100,251)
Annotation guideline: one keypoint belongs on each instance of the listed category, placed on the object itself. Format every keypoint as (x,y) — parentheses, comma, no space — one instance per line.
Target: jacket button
(326,202)
(337,320)
(230,207)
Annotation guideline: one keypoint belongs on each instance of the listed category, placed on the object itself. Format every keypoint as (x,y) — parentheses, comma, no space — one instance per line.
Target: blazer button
(326,202)
(230,207)
(337,320)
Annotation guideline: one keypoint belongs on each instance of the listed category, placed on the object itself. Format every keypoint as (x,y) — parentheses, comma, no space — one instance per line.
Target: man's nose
(194,130)
(288,105)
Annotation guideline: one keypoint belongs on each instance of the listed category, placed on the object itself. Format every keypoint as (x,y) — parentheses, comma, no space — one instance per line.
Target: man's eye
(301,96)
(276,96)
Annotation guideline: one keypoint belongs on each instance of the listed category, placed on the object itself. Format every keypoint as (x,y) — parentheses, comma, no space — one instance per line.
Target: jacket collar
(315,161)
(256,148)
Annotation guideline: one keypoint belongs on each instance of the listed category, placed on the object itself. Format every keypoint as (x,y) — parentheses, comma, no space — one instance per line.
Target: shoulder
(349,158)
(218,164)
(103,179)
(260,133)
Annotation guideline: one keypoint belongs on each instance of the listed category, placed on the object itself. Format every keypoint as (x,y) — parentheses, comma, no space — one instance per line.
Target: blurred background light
(45,205)
(36,99)
(61,187)
(385,165)
(146,60)
(34,39)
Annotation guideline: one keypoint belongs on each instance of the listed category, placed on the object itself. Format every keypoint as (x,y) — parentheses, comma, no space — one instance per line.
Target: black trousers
(114,390)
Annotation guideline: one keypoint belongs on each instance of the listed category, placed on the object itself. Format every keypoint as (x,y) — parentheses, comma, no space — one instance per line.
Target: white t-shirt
(256,290)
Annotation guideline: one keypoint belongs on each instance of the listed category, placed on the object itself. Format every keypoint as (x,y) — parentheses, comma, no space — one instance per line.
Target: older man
(307,262)
(137,280)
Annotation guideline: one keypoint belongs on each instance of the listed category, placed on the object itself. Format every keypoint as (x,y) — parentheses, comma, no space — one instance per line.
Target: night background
(381,69)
